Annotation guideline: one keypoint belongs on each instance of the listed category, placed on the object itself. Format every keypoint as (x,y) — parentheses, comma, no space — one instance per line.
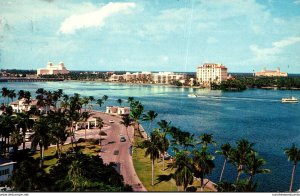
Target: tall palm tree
(130,100)
(105,97)
(254,164)
(85,101)
(184,170)
(75,174)
(203,164)
(41,137)
(293,154)
(85,116)
(5,93)
(91,99)
(149,116)
(100,102)
(135,114)
(225,151)
(238,156)
(100,124)
(119,101)
(16,139)
(152,150)
(126,121)
(25,123)
(12,94)
(206,139)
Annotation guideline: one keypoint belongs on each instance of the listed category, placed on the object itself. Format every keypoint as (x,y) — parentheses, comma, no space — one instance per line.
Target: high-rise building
(211,72)
(53,69)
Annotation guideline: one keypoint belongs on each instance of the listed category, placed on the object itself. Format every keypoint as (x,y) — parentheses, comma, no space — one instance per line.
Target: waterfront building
(53,69)
(271,73)
(117,110)
(211,72)
(24,106)
(6,169)
(147,77)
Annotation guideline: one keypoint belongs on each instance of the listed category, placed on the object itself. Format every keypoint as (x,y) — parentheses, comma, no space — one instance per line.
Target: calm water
(257,115)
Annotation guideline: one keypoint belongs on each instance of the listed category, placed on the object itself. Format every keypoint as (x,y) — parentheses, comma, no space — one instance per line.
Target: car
(111,121)
(122,139)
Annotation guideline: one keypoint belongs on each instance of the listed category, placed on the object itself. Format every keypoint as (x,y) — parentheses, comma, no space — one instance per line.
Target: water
(255,114)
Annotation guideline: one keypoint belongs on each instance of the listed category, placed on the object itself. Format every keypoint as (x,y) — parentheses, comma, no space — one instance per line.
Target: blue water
(255,114)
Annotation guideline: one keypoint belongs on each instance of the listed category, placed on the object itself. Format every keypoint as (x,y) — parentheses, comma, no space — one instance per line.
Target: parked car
(122,139)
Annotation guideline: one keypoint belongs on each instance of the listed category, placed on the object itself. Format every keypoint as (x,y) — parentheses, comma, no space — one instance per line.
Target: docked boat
(289,100)
(192,95)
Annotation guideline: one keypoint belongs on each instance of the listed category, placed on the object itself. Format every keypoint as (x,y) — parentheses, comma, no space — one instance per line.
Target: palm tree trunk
(85,130)
(163,162)
(23,140)
(202,184)
(57,150)
(41,156)
(292,178)
(152,183)
(224,164)
(239,173)
(128,134)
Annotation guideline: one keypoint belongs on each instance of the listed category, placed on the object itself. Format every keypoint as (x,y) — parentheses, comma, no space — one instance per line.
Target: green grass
(142,167)
(49,155)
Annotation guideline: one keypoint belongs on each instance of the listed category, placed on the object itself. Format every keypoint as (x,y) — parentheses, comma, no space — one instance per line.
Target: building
(6,169)
(117,110)
(23,106)
(53,69)
(271,73)
(211,72)
(148,77)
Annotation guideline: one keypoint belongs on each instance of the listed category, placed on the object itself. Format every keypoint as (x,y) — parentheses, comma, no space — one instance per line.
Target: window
(4,172)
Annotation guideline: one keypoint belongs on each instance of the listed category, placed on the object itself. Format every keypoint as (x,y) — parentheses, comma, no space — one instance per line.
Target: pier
(31,79)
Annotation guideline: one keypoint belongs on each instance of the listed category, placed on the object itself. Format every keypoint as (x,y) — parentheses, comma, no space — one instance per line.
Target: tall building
(211,72)
(53,69)
(271,73)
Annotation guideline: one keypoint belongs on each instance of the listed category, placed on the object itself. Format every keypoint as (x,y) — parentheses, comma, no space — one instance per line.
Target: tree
(152,150)
(120,101)
(100,124)
(5,93)
(12,94)
(100,102)
(75,175)
(149,116)
(41,137)
(105,97)
(16,140)
(130,100)
(24,124)
(126,121)
(203,164)
(206,139)
(85,101)
(135,113)
(254,164)
(85,116)
(293,154)
(225,151)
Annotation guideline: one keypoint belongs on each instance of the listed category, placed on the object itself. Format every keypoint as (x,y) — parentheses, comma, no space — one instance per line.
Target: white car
(111,121)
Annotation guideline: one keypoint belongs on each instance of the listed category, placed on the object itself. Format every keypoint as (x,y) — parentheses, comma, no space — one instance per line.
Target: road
(110,145)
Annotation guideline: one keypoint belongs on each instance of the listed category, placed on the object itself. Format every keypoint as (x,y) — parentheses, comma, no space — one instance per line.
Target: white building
(22,106)
(167,77)
(210,72)
(117,110)
(53,69)
(271,73)
(6,169)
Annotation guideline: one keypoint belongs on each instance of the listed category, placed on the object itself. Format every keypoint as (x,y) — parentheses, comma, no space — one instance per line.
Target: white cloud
(277,47)
(297,1)
(94,19)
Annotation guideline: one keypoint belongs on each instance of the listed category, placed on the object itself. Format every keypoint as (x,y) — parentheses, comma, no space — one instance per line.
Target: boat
(192,95)
(289,100)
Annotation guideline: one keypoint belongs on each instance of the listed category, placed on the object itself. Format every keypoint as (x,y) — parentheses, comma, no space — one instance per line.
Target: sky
(151,35)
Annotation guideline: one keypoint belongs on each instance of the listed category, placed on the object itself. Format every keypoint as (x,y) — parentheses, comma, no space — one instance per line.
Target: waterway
(255,114)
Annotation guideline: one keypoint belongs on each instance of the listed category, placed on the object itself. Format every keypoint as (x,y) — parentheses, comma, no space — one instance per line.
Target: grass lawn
(142,167)
(50,158)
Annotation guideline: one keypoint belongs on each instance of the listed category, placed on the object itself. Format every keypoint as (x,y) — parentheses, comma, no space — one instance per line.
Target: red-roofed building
(211,72)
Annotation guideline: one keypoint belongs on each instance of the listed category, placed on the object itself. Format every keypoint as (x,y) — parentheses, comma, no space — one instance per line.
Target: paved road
(110,144)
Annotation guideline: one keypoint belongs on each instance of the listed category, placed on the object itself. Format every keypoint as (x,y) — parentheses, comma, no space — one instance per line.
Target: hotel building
(210,72)
(271,73)
(53,69)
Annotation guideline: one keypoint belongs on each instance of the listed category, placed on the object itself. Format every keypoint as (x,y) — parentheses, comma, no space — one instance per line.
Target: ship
(289,100)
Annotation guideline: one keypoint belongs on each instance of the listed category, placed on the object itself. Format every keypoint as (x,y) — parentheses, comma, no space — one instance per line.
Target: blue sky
(152,35)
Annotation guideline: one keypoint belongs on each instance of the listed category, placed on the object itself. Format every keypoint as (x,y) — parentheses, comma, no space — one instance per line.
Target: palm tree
(130,100)
(135,114)
(163,143)
(254,164)
(105,97)
(41,137)
(206,139)
(293,154)
(85,116)
(184,171)
(75,174)
(238,156)
(100,102)
(91,99)
(85,101)
(126,121)
(120,101)
(15,139)
(152,150)
(203,164)
(25,124)
(149,116)
(100,124)
(5,93)
(12,94)
(225,151)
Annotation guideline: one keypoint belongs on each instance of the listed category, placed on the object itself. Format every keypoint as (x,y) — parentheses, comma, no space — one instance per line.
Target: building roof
(4,161)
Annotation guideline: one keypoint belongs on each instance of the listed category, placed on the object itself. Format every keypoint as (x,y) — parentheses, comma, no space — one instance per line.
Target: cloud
(94,19)
(297,1)
(277,47)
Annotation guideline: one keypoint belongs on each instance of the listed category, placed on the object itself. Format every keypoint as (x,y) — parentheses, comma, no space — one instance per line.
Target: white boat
(289,100)
(192,95)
